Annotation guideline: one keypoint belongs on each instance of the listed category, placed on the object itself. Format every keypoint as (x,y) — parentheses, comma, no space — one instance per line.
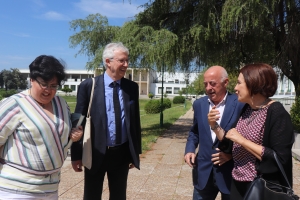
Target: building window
(73,87)
(169,90)
(176,81)
(159,90)
(176,90)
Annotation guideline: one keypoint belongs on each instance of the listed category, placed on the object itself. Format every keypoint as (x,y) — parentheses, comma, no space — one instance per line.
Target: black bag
(261,189)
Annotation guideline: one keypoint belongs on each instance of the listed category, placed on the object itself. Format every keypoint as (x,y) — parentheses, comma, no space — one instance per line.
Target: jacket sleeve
(278,136)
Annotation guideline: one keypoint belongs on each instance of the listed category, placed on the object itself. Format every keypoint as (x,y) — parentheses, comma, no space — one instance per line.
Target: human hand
(77,165)
(213,116)
(190,159)
(220,157)
(131,166)
(76,134)
(235,136)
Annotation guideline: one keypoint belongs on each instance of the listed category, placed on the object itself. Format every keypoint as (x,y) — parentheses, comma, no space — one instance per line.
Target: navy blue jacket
(130,94)
(200,134)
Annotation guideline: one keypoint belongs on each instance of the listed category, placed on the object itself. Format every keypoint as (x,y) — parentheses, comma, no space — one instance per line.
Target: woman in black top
(264,127)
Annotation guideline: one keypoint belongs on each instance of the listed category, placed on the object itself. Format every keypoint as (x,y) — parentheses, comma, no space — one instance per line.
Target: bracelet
(215,127)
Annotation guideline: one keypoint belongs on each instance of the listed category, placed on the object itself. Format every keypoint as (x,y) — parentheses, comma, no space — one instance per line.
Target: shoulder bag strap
(91,98)
(281,169)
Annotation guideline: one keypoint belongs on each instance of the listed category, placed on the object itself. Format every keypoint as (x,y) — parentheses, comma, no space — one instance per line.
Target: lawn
(150,123)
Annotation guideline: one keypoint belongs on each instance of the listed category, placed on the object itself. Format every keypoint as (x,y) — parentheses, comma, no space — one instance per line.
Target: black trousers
(238,189)
(116,165)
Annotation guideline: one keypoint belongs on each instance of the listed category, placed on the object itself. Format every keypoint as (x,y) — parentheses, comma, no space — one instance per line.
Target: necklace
(252,117)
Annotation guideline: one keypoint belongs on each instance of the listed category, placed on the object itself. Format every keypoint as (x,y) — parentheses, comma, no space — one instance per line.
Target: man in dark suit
(211,168)
(115,145)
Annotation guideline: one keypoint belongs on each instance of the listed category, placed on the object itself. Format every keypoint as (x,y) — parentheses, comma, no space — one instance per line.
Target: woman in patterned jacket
(35,134)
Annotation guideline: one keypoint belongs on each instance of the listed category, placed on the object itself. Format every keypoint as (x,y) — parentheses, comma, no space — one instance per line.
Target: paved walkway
(163,174)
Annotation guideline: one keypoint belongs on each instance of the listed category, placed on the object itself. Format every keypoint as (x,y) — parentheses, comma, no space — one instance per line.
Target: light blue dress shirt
(111,131)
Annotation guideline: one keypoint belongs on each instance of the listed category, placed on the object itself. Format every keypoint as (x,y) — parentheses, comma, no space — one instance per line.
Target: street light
(162,99)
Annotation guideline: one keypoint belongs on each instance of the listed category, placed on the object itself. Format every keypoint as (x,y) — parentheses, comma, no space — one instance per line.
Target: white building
(151,81)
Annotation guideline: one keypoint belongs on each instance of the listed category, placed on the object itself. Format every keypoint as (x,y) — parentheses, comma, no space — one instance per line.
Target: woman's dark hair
(260,78)
(47,67)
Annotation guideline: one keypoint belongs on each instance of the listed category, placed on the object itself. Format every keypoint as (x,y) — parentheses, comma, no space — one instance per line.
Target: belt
(117,147)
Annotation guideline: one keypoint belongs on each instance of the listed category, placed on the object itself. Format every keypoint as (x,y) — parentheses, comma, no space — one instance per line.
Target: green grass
(71,100)
(150,123)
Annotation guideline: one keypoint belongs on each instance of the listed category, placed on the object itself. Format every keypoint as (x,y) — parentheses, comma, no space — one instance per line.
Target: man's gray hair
(109,49)
(224,75)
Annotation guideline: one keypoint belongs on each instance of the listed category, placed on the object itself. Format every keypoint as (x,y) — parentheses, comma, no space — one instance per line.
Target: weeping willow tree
(182,34)
(92,34)
(266,31)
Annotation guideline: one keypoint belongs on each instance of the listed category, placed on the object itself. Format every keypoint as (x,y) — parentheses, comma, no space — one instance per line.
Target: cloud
(108,8)
(38,3)
(52,15)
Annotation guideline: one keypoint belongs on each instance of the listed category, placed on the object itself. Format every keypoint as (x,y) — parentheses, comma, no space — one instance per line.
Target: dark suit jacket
(200,134)
(98,115)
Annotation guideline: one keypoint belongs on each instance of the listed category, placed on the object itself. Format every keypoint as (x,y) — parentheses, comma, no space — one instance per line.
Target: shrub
(167,103)
(7,93)
(152,106)
(150,95)
(178,99)
(295,114)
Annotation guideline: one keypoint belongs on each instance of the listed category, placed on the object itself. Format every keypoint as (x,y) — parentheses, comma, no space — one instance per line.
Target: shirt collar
(108,80)
(221,102)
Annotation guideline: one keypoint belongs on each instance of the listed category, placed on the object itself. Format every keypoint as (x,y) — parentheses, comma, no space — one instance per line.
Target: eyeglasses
(46,86)
(122,61)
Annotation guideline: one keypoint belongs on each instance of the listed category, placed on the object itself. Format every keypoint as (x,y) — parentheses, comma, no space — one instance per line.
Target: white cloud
(109,9)
(38,3)
(52,15)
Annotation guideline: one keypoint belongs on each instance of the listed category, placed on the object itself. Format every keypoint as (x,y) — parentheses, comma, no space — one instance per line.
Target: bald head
(217,70)
(215,82)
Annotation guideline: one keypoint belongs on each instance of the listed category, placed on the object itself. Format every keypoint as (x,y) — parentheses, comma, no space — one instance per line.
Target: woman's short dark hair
(260,78)
(47,67)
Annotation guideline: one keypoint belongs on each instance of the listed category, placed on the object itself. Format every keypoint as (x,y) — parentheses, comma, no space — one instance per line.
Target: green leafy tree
(13,79)
(231,33)
(92,34)
(265,31)
(67,90)
(6,77)
(197,86)
(232,81)
(181,34)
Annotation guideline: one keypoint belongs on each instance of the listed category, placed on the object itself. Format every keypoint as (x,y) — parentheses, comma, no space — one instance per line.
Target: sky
(29,28)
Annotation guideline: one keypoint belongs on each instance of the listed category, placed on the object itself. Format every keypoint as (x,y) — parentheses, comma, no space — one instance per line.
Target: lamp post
(162,99)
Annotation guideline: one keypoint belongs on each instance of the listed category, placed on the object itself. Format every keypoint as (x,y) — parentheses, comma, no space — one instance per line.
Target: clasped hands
(233,135)
(218,158)
(76,133)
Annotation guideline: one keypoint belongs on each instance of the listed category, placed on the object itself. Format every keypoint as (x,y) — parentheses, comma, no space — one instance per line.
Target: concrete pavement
(163,174)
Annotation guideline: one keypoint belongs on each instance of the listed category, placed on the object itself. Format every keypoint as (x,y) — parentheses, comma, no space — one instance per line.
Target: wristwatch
(215,126)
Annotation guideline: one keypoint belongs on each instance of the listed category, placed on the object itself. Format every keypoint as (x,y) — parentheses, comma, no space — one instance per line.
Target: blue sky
(29,28)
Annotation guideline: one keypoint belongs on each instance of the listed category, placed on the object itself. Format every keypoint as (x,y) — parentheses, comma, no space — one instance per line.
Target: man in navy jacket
(113,152)
(211,167)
